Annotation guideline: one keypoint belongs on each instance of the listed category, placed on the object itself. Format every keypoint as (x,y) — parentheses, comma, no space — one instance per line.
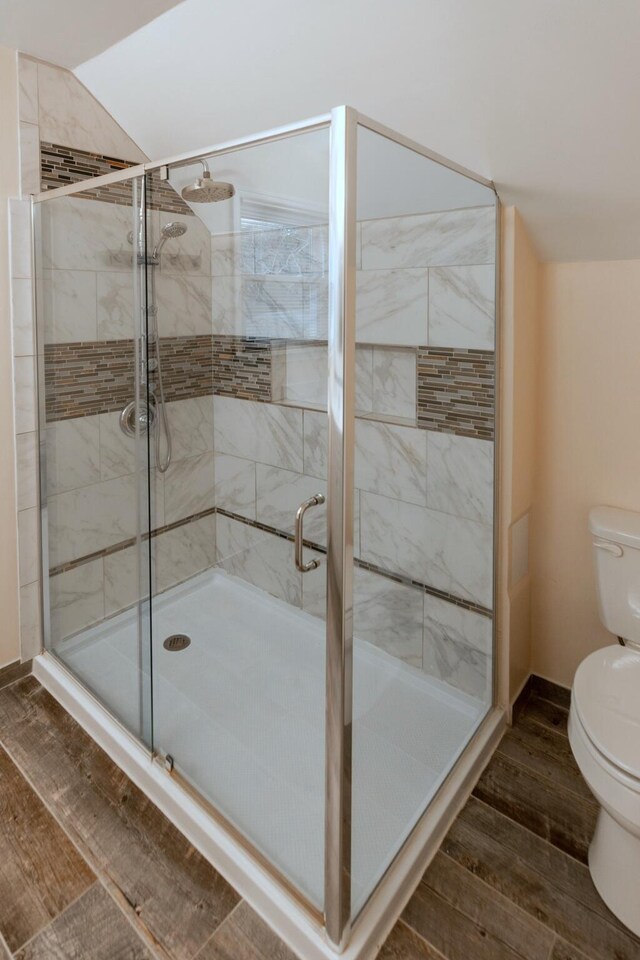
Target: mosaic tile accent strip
(242,368)
(82,379)
(85,379)
(61,166)
(310,544)
(456,391)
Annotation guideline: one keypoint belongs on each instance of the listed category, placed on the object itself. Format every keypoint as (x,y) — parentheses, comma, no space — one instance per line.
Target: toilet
(604,719)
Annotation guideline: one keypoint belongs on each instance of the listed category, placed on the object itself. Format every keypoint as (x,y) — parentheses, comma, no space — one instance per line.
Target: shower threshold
(240,713)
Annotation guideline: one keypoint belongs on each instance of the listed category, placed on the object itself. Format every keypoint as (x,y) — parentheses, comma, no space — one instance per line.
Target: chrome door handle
(300,512)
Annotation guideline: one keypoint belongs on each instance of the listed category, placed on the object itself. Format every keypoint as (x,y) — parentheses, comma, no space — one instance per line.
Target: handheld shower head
(172,229)
(206,190)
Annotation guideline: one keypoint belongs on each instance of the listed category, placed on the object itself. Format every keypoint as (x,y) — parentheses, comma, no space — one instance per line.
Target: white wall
(536,95)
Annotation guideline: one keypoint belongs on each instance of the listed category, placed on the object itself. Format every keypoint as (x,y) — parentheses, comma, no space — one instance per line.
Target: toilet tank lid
(619,526)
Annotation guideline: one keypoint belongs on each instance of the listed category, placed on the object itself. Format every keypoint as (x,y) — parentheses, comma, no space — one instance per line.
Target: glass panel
(90,303)
(238,293)
(423,584)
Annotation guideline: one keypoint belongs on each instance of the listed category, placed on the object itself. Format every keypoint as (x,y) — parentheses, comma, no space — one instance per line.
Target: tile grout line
(3,943)
(545,779)
(116,895)
(496,895)
(402,922)
(219,927)
(54,919)
(77,843)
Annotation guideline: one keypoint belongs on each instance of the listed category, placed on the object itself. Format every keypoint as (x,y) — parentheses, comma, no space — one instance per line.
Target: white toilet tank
(616,549)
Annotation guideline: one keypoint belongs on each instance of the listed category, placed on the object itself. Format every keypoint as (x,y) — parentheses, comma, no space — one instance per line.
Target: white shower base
(242,711)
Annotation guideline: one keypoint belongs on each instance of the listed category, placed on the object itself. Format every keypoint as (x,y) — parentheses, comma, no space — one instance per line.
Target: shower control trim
(299,539)
(144,413)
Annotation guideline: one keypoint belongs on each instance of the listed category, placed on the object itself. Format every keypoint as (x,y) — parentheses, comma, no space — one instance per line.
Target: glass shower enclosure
(267,424)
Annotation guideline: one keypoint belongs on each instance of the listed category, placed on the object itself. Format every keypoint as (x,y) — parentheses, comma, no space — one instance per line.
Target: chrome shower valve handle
(314,501)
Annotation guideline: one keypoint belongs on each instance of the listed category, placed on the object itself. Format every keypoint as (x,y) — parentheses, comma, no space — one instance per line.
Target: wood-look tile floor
(91,870)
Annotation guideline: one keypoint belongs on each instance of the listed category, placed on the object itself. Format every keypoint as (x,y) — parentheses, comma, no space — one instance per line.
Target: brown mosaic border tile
(61,166)
(456,391)
(284,535)
(88,378)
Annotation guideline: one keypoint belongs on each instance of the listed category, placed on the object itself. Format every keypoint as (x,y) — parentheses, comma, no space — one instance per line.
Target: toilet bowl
(604,719)
(604,733)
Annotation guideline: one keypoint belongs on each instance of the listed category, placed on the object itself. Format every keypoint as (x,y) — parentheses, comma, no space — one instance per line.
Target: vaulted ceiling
(539,95)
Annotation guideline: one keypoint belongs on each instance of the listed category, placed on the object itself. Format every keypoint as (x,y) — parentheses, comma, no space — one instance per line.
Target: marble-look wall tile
(389,615)
(114,306)
(73,454)
(30,621)
(29,545)
(280,493)
(123,575)
(433,239)
(457,647)
(69,306)
(24,375)
(394,383)
(316,441)
(258,557)
(460,476)
(29,159)
(182,553)
(82,235)
(391,306)
(449,553)
(364,379)
(391,460)
(27,469)
(76,599)
(28,89)
(235,485)
(189,253)
(226,305)
(188,487)
(225,254)
(91,518)
(69,114)
(117,451)
(22,318)
(184,305)
(314,586)
(306,374)
(462,307)
(263,432)
(20,225)
(191,426)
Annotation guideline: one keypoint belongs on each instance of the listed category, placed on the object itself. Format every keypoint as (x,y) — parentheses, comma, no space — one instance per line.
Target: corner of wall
(520,279)
(9,187)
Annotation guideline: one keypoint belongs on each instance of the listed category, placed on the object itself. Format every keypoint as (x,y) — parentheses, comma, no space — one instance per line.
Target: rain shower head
(172,229)
(206,190)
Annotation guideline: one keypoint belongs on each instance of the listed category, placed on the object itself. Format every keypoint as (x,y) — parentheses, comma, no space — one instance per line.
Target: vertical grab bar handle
(314,501)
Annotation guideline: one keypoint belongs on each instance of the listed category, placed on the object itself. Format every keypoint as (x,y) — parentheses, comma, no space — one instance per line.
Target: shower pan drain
(177,641)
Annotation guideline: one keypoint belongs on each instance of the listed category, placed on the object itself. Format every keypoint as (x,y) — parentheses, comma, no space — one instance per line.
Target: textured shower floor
(241,710)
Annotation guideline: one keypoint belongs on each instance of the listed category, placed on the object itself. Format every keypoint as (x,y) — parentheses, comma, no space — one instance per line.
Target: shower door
(238,627)
(96,489)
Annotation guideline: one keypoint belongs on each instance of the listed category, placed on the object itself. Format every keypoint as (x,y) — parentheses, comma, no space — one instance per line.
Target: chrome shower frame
(362,935)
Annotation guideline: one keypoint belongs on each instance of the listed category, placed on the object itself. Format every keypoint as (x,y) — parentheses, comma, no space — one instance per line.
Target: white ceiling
(540,95)
(67,32)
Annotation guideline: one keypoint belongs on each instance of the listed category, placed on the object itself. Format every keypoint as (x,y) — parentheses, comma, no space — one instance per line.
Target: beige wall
(588,447)
(9,186)
(519,371)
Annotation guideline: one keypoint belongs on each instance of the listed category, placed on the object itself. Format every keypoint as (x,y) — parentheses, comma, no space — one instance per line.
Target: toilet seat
(606,701)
